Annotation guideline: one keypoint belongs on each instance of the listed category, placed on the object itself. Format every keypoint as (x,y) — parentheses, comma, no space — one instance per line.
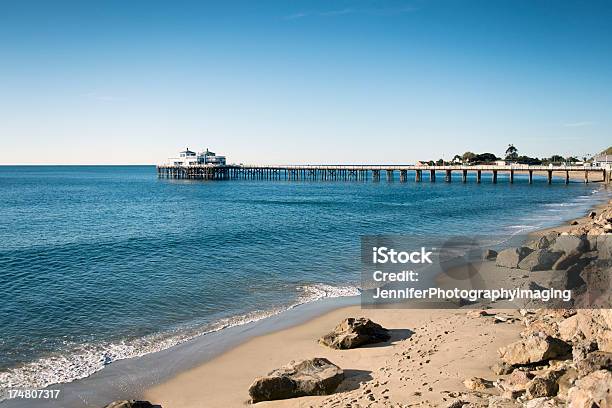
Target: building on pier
(190,158)
(208,157)
(185,158)
(602,160)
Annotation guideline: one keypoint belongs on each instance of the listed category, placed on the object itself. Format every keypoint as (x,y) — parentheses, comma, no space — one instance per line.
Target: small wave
(85,359)
(321,291)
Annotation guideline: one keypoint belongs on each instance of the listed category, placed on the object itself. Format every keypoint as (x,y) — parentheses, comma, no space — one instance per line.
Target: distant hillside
(607,151)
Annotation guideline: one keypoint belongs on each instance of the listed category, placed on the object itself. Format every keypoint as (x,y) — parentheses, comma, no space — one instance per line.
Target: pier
(420,173)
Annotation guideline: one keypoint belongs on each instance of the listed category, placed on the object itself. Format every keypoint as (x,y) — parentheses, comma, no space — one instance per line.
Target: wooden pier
(366,172)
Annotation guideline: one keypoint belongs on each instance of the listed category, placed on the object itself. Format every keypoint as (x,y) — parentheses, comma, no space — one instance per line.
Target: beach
(425,364)
(430,354)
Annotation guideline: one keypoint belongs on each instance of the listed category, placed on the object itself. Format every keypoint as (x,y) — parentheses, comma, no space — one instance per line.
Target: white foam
(85,359)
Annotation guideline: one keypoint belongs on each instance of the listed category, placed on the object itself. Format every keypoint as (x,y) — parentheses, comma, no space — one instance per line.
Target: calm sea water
(104,263)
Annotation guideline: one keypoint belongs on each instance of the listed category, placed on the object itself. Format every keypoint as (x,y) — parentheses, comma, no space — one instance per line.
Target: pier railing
(373,172)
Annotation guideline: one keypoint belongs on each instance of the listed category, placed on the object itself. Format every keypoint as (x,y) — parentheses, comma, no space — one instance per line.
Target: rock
(568,328)
(489,255)
(594,361)
(498,401)
(542,402)
(569,244)
(566,260)
(542,387)
(478,313)
(543,242)
(456,404)
(574,222)
(533,349)
(567,381)
(317,376)
(516,382)
(569,279)
(592,391)
(595,325)
(477,384)
(596,293)
(131,404)
(592,240)
(539,260)
(592,214)
(510,258)
(604,247)
(351,333)
(501,368)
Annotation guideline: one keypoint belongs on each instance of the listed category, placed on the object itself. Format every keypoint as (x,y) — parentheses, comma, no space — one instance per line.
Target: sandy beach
(430,355)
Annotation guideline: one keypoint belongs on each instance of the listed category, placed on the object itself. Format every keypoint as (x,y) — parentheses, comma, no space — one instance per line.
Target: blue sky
(302,82)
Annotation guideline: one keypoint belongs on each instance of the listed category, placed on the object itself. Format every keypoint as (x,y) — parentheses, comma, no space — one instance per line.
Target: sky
(280,82)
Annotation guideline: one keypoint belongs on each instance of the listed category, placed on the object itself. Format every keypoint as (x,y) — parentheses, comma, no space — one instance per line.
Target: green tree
(468,156)
(555,158)
(485,158)
(511,152)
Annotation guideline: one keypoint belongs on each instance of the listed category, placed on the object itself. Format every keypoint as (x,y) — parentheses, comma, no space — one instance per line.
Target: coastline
(374,374)
(259,344)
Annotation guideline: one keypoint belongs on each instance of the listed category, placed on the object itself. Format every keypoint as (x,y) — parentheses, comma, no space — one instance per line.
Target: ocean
(104,263)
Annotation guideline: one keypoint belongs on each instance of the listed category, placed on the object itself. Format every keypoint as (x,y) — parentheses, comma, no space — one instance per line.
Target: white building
(209,157)
(602,160)
(185,158)
(190,158)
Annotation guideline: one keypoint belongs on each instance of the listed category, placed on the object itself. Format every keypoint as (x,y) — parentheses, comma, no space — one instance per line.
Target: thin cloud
(295,16)
(380,11)
(579,124)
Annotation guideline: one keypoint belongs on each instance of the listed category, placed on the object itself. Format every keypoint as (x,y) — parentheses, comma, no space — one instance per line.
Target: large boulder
(131,404)
(539,260)
(543,242)
(542,387)
(592,391)
(570,244)
(595,325)
(352,332)
(489,255)
(534,348)
(317,376)
(511,257)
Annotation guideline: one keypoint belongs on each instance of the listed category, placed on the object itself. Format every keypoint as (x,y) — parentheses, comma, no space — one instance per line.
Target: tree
(555,158)
(485,158)
(528,160)
(511,152)
(468,156)
(457,158)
